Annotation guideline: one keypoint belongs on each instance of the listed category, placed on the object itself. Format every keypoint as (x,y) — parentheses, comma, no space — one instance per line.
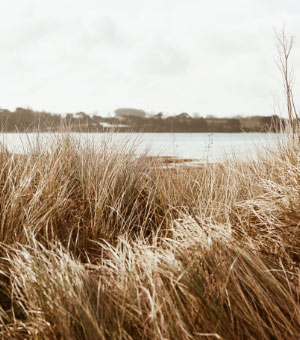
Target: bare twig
(284,47)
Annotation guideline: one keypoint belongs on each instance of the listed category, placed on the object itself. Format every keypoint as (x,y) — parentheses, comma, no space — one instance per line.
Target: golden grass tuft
(97,243)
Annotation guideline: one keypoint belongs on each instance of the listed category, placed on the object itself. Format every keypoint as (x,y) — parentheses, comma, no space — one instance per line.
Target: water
(196,146)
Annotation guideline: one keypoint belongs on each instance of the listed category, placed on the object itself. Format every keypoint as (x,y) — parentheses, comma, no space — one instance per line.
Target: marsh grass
(97,243)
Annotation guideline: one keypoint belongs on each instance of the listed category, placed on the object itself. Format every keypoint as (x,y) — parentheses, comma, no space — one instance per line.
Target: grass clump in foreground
(96,243)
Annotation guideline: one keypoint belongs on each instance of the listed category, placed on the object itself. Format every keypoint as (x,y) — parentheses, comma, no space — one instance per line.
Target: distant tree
(127,112)
(234,125)
(159,115)
(24,118)
(183,115)
(199,125)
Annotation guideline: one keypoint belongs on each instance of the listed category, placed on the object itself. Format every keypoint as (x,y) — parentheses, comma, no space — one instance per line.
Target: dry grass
(99,244)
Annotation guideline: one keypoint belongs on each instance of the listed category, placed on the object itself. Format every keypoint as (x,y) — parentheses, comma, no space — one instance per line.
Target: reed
(97,243)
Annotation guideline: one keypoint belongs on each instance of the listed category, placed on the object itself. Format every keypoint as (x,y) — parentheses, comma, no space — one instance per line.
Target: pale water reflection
(198,146)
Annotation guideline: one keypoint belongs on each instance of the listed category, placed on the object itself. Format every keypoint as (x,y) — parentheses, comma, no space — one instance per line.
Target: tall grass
(97,243)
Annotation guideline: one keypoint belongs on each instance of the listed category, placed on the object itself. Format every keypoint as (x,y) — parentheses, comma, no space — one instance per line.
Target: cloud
(161,59)
(100,30)
(194,55)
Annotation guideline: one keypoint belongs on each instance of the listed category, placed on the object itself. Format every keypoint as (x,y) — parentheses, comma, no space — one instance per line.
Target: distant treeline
(27,120)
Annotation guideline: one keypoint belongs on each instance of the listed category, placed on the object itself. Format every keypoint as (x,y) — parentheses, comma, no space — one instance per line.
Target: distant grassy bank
(105,245)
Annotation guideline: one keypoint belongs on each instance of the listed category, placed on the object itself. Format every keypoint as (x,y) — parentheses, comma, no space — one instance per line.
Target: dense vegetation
(22,120)
(96,243)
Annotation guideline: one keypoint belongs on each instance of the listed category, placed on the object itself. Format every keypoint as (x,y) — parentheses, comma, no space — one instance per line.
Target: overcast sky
(206,56)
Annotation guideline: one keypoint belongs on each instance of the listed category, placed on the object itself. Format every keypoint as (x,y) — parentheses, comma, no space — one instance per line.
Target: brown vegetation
(131,120)
(99,244)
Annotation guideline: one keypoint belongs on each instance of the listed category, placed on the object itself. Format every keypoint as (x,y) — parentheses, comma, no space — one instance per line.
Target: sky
(211,57)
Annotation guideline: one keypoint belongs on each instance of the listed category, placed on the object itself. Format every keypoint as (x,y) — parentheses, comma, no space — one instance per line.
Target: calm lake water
(197,146)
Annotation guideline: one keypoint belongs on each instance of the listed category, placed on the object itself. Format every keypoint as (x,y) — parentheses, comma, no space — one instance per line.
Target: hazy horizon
(212,58)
